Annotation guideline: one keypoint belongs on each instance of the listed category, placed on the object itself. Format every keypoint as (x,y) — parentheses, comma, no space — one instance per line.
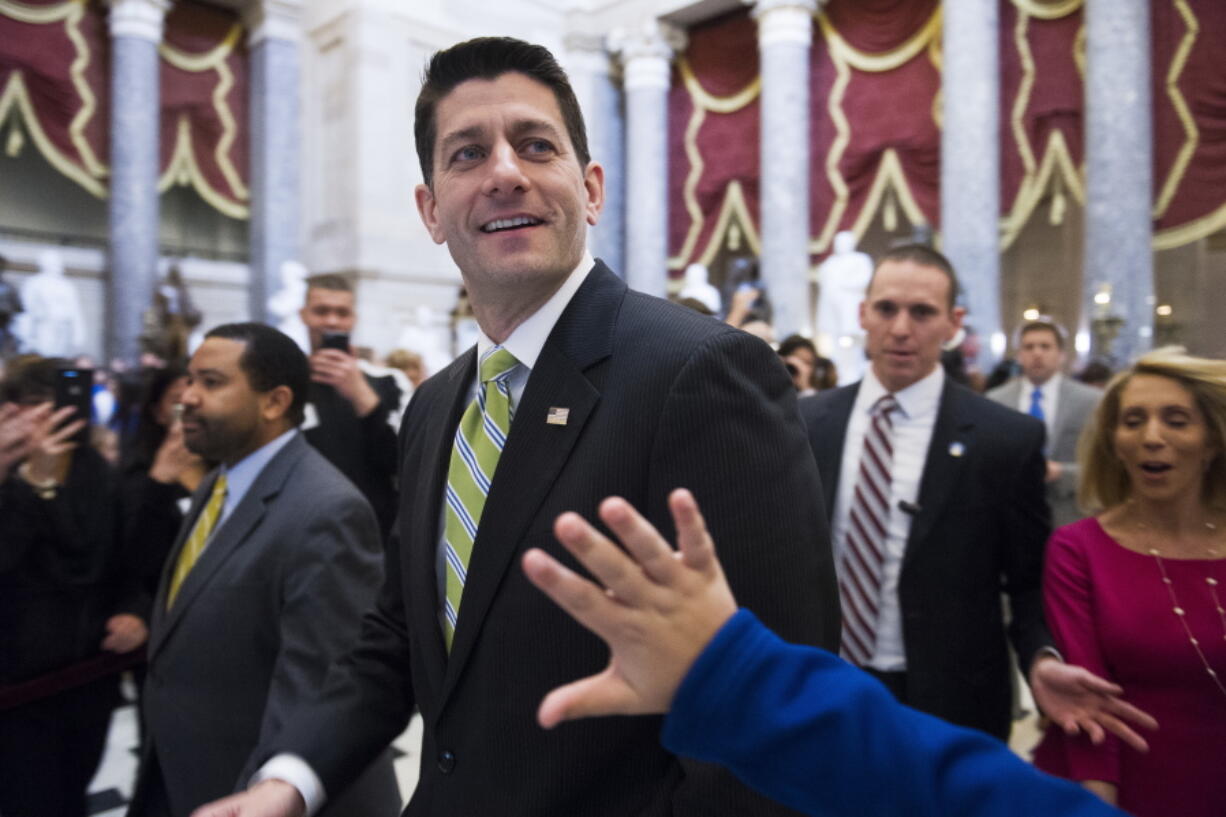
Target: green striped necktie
(479,441)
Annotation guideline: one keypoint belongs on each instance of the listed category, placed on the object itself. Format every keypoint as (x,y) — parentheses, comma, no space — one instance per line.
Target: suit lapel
(234,531)
(422,530)
(952,441)
(1064,401)
(536,451)
(828,437)
(1012,394)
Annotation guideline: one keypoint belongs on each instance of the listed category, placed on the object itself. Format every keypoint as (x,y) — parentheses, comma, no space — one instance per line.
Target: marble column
(646,55)
(136,30)
(596,81)
(274,32)
(1119,174)
(785,32)
(970,163)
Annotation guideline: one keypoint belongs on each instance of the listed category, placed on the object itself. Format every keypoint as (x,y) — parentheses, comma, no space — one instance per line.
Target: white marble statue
(285,303)
(844,277)
(698,286)
(53,323)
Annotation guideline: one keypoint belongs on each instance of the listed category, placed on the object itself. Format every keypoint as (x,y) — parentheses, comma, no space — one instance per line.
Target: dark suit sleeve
(731,434)
(1026,523)
(378,435)
(322,595)
(367,697)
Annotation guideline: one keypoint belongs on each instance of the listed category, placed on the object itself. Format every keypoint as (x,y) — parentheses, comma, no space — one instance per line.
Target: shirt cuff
(295,771)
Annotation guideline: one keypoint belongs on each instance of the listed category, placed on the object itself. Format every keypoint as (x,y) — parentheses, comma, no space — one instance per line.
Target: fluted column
(274,32)
(646,55)
(970,162)
(136,30)
(596,81)
(785,32)
(1119,176)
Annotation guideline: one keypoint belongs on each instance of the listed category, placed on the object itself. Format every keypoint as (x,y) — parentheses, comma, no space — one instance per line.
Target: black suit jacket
(658,397)
(981,527)
(362,448)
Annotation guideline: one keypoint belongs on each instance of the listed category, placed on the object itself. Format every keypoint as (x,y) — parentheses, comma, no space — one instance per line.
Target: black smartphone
(75,387)
(335,340)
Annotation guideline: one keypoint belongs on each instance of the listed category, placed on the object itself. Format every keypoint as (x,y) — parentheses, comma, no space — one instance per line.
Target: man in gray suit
(1063,404)
(275,563)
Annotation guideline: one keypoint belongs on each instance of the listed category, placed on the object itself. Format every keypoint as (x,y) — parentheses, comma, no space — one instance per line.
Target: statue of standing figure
(171,319)
(844,278)
(286,303)
(53,323)
(698,286)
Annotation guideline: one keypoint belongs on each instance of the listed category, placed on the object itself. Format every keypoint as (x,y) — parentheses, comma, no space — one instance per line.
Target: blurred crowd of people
(235,515)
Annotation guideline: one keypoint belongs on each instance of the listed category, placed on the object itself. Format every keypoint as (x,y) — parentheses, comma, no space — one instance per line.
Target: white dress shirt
(913,424)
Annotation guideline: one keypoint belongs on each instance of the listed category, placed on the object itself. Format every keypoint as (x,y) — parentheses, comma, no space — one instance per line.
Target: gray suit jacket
(277,594)
(1074,405)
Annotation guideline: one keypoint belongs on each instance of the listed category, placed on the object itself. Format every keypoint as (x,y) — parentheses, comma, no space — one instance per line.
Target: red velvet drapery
(55,93)
(875,120)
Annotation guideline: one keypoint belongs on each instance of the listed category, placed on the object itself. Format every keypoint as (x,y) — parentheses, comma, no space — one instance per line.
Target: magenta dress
(1110,613)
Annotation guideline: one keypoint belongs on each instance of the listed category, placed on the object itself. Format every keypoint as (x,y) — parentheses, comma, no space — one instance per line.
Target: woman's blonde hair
(1104,480)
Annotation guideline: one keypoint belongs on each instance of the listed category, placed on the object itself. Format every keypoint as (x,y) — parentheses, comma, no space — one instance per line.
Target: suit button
(446,761)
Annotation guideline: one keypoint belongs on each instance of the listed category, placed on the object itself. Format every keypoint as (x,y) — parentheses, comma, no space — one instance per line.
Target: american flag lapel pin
(557,416)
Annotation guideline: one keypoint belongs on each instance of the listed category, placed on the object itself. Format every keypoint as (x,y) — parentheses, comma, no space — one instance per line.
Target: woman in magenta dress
(1137,594)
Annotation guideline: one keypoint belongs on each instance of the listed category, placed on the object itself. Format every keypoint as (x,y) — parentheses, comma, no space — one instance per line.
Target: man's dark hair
(31,379)
(793,342)
(1042,325)
(490,58)
(330,281)
(270,359)
(925,257)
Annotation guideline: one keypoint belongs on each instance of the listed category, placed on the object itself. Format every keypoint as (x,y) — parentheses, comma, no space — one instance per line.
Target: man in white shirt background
(937,508)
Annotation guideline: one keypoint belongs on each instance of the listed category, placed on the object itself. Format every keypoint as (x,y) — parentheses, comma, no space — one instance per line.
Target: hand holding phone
(75,387)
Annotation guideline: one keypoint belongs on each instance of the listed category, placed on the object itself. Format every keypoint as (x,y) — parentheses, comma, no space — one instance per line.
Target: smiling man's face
(508,197)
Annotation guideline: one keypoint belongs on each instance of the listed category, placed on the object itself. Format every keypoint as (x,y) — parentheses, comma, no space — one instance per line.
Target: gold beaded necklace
(1211,582)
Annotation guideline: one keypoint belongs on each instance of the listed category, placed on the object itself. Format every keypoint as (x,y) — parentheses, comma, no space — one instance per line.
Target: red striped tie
(865,540)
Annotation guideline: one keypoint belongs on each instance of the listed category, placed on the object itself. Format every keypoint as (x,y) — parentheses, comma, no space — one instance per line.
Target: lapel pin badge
(557,416)
(956,449)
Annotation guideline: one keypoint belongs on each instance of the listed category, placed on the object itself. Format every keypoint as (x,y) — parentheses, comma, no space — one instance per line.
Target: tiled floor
(112,785)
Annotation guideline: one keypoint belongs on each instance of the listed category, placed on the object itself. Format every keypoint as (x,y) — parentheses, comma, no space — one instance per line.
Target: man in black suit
(935,511)
(589,389)
(348,410)
(277,559)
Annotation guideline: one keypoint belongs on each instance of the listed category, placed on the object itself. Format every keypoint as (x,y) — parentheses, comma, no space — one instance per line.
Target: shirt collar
(243,473)
(919,399)
(1048,388)
(527,340)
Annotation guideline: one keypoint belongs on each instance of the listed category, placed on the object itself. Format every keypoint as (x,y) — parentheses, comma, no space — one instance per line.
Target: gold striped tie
(200,534)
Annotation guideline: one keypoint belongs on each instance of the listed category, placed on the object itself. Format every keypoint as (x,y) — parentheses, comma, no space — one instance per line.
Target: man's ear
(955,318)
(275,403)
(593,183)
(427,208)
